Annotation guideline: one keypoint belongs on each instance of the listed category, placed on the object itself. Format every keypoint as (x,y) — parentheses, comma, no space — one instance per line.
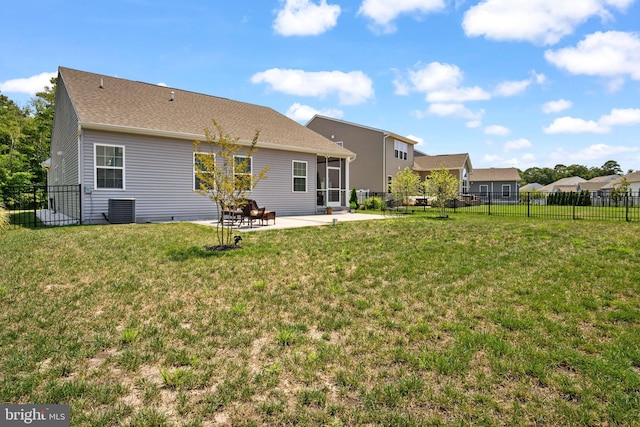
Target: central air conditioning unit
(122,211)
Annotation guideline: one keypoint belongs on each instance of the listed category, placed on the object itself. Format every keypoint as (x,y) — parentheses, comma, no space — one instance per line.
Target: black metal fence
(41,205)
(570,205)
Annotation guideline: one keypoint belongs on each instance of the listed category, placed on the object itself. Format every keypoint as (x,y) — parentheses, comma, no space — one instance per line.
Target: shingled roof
(494,174)
(110,103)
(449,161)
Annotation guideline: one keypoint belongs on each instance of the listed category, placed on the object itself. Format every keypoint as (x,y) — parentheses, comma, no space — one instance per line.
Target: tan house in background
(380,154)
(459,165)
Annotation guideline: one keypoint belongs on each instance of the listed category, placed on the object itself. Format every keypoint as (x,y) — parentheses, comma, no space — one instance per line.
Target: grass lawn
(474,320)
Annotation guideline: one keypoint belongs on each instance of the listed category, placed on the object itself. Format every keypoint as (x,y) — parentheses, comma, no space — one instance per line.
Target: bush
(374,203)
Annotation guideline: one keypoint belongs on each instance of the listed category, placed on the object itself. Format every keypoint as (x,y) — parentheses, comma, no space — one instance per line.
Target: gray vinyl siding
(64,140)
(158,174)
(494,186)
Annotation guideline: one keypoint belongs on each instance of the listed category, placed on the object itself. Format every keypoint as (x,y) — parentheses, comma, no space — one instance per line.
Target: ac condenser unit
(122,211)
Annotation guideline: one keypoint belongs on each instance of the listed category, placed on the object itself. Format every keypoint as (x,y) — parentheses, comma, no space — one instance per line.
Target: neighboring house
(531,187)
(130,144)
(565,185)
(500,183)
(380,154)
(459,165)
(632,178)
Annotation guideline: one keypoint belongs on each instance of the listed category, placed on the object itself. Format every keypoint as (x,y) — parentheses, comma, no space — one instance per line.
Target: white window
(506,190)
(299,174)
(400,150)
(242,172)
(340,143)
(109,166)
(484,190)
(202,163)
(465,181)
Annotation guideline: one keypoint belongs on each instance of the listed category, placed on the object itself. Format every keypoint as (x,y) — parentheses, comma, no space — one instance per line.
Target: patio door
(334,180)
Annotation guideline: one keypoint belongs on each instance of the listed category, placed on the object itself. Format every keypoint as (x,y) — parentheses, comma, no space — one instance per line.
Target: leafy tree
(12,122)
(443,186)
(611,167)
(38,131)
(618,194)
(542,176)
(221,176)
(406,183)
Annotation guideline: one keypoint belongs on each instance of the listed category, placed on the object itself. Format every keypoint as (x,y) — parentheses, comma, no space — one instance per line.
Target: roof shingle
(128,105)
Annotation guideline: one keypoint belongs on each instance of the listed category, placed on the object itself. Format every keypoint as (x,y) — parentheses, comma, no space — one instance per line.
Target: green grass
(474,320)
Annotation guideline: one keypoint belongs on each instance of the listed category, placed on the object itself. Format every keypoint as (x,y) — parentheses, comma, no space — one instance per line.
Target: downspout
(80,169)
(384,162)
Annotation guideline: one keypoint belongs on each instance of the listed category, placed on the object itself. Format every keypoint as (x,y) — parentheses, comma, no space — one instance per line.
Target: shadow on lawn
(183,254)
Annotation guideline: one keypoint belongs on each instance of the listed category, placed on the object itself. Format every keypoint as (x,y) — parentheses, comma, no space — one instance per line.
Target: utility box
(122,211)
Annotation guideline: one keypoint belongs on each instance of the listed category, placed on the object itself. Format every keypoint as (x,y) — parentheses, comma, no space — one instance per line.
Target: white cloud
(352,88)
(518,144)
(574,125)
(441,84)
(384,12)
(612,54)
(621,116)
(497,130)
(473,124)
(305,18)
(452,110)
(601,152)
(556,106)
(304,113)
(28,85)
(537,21)
(617,117)
(523,162)
(511,88)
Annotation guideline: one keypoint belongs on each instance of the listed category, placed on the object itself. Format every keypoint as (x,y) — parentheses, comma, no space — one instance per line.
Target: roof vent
(101,83)
(173,96)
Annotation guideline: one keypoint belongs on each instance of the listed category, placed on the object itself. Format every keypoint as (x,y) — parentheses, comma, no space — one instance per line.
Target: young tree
(618,194)
(443,186)
(406,183)
(4,218)
(223,173)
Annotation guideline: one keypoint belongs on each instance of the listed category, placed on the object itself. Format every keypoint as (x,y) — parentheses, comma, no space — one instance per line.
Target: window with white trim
(109,166)
(389,181)
(400,150)
(299,176)
(340,143)
(484,190)
(242,172)
(202,163)
(506,190)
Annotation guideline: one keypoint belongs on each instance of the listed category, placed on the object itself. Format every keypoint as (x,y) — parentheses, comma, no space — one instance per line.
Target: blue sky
(512,82)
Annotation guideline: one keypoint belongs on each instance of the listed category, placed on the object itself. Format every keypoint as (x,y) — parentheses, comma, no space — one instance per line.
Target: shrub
(373,203)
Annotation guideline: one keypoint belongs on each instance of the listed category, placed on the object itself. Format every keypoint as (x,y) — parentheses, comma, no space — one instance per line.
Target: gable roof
(449,161)
(494,174)
(569,181)
(632,177)
(531,187)
(591,185)
(384,132)
(115,104)
(603,179)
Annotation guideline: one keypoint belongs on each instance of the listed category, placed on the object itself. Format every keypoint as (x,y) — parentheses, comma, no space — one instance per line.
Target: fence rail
(41,205)
(584,205)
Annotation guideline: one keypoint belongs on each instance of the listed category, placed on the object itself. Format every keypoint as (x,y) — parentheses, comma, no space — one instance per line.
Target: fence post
(79,204)
(528,204)
(626,204)
(489,210)
(573,203)
(35,207)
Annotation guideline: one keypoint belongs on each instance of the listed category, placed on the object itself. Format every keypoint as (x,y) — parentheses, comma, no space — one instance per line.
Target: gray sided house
(129,145)
(380,154)
(500,183)
(458,165)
